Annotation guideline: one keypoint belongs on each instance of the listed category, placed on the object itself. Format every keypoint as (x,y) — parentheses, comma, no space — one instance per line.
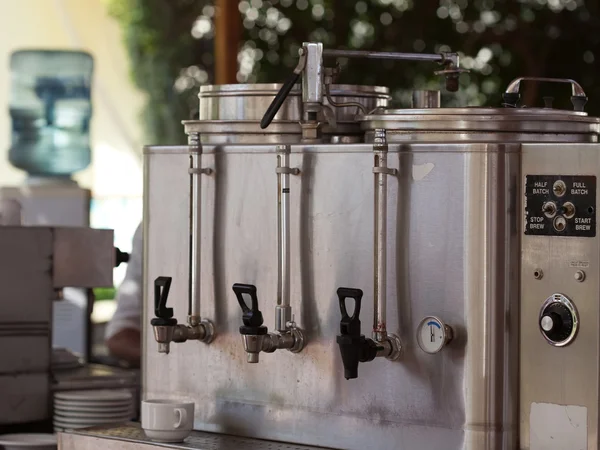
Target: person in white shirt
(123,337)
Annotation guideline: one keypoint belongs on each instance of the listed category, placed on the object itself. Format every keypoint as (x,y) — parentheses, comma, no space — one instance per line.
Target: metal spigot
(255,336)
(163,324)
(166,328)
(355,347)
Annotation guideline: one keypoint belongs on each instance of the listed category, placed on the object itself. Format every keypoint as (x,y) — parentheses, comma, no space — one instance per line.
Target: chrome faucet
(255,335)
(166,328)
(354,347)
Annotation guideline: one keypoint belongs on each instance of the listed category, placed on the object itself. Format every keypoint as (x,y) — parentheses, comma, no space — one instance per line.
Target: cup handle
(182,413)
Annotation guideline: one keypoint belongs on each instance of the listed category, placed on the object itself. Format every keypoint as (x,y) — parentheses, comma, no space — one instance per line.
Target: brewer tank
(431,286)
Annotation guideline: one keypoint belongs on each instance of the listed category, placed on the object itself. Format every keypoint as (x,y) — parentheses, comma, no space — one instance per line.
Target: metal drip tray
(131,436)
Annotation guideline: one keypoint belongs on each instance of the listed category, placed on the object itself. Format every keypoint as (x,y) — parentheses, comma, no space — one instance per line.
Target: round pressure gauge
(433,334)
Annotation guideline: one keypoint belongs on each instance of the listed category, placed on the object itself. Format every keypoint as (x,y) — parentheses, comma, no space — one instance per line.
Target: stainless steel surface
(248,102)
(283,314)
(195,214)
(291,338)
(391,347)
(426,99)
(232,113)
(253,345)
(449,61)
(312,78)
(558,382)
(283,311)
(452,226)
(276,341)
(316,78)
(83,257)
(433,57)
(328,81)
(482,125)
(203,331)
(163,335)
(197,328)
(380,149)
(132,437)
(515,85)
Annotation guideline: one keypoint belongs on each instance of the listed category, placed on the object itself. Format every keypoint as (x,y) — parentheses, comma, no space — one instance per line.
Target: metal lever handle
(578,98)
(164,315)
(275,105)
(251,316)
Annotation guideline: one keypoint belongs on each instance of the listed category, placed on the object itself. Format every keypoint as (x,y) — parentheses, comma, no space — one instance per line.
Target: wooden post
(228,33)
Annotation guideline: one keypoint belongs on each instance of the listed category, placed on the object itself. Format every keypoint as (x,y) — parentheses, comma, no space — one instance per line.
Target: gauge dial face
(431,334)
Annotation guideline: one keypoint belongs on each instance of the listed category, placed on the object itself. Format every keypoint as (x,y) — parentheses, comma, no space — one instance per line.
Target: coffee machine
(323,270)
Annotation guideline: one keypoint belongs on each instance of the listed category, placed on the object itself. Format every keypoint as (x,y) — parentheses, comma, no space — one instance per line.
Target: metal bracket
(385,170)
(205,171)
(288,170)
(301,61)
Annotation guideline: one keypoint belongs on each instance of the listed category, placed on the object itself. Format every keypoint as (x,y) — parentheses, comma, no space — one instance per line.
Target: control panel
(560,205)
(558,320)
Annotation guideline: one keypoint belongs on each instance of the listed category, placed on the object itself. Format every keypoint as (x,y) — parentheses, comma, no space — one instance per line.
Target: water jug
(50,110)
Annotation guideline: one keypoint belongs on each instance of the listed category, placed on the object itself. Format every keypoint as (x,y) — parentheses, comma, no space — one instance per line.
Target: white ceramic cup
(167,420)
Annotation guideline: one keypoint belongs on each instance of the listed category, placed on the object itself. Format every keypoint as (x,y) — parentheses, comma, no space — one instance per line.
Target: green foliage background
(170,45)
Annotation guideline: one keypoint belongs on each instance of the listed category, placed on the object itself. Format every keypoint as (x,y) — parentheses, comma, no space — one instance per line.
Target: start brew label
(580,190)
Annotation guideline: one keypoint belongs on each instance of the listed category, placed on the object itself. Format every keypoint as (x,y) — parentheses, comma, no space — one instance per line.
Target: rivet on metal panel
(538,274)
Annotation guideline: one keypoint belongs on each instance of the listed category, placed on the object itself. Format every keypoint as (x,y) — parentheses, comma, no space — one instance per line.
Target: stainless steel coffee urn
(341,274)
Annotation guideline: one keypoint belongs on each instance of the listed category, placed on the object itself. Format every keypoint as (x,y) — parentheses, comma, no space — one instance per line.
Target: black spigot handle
(251,316)
(350,325)
(354,347)
(120,257)
(164,315)
(275,105)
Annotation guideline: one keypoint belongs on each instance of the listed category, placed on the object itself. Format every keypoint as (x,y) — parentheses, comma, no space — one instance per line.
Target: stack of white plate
(82,409)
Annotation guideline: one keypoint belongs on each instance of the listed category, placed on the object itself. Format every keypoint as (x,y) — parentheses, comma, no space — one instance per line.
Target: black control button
(556,322)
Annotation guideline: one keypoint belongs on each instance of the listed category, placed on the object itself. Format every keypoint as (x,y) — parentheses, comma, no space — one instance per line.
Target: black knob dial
(557,322)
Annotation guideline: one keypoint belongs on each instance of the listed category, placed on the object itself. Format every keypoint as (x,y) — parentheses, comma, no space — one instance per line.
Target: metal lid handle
(578,98)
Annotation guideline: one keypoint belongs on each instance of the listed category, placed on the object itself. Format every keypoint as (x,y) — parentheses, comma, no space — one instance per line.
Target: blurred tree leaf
(166,60)
(498,39)
(170,44)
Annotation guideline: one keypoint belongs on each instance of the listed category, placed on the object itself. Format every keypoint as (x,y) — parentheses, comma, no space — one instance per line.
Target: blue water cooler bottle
(50,109)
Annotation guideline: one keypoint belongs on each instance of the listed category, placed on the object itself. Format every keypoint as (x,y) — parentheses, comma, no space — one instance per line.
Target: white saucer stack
(82,409)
